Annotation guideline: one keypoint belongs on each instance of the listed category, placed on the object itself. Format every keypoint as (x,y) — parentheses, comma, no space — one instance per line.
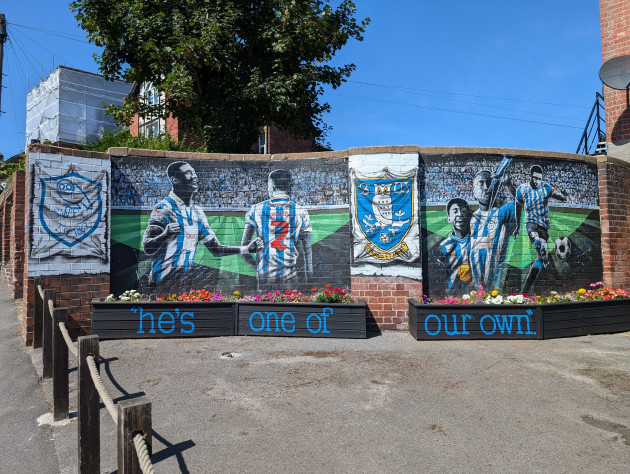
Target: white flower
(497,299)
(520,299)
(110,298)
(466,297)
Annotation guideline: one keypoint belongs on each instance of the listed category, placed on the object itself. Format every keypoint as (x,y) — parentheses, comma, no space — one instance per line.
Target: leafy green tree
(227,67)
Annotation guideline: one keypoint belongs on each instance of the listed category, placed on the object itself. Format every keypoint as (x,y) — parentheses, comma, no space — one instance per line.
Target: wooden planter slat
(305,320)
(141,320)
(547,321)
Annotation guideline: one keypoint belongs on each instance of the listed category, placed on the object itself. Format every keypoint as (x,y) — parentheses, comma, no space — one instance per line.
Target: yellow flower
(581,291)
(237,293)
(494,293)
(174,295)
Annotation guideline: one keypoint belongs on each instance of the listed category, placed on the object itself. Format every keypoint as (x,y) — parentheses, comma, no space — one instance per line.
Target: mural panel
(509,223)
(247,226)
(385,224)
(69,215)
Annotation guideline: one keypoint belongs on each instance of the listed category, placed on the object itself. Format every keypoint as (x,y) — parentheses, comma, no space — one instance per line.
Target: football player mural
(221,225)
(479,242)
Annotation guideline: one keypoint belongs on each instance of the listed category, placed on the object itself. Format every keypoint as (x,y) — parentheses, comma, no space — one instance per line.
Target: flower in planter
(597,292)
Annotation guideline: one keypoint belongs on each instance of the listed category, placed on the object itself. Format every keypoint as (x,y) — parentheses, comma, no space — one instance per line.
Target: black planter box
(134,320)
(174,319)
(302,319)
(474,321)
(546,321)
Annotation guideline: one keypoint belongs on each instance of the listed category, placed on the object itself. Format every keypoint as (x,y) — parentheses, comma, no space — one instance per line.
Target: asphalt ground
(384,404)
(26,445)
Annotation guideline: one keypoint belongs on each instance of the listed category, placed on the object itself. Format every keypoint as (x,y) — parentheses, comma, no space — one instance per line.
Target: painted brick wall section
(614,191)
(387,300)
(615,30)
(72,291)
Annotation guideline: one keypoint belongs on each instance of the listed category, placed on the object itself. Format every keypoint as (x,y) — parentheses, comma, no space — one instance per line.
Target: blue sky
(460,73)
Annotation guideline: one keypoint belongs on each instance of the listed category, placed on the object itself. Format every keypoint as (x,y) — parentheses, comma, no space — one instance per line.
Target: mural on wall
(263,225)
(69,213)
(385,216)
(510,224)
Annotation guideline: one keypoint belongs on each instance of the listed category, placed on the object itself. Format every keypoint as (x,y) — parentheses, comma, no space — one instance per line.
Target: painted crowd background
(455,222)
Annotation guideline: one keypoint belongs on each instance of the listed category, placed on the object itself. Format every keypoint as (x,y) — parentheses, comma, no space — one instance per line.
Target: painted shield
(70,207)
(384,210)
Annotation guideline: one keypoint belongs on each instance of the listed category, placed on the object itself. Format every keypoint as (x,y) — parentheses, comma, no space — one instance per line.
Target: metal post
(49,296)
(61,393)
(134,416)
(89,417)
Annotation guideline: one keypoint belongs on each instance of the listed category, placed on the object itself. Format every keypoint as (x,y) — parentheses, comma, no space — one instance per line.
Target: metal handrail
(595,129)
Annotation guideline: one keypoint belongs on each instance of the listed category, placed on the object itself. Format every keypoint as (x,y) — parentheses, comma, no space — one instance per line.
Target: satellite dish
(615,73)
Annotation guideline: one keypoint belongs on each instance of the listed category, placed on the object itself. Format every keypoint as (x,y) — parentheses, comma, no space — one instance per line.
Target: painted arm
(219,250)
(156,235)
(558,195)
(305,237)
(248,234)
(518,209)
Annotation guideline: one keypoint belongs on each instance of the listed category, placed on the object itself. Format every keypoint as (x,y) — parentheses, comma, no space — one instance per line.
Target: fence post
(89,416)
(39,315)
(49,295)
(134,416)
(61,395)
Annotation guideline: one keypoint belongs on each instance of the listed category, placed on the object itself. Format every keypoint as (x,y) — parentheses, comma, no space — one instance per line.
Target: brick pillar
(615,31)
(6,230)
(614,199)
(18,237)
(386,297)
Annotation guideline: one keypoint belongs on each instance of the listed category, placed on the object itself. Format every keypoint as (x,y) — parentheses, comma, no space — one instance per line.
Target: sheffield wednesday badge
(70,213)
(384,214)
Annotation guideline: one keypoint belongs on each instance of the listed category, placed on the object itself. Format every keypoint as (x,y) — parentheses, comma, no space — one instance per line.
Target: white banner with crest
(384,214)
(69,214)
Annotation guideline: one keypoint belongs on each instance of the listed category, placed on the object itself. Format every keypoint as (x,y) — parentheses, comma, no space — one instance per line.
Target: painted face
(481,184)
(187,178)
(459,217)
(535,180)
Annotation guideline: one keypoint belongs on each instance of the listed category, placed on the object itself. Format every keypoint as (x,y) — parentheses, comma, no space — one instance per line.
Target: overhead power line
(60,34)
(442,109)
(412,90)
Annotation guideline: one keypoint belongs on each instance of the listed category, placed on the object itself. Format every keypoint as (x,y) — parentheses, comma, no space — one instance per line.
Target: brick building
(270,140)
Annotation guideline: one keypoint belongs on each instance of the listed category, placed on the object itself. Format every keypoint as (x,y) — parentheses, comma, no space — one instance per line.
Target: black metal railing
(593,141)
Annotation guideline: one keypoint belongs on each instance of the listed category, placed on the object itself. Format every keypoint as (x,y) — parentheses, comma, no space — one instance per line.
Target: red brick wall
(74,292)
(280,142)
(387,300)
(614,197)
(615,31)
(18,235)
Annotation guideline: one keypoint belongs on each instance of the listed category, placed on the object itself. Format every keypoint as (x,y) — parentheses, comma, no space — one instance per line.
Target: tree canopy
(226,67)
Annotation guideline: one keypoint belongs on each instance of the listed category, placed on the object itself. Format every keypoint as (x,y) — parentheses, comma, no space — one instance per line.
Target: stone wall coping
(182,155)
(59,150)
(370,150)
(613,161)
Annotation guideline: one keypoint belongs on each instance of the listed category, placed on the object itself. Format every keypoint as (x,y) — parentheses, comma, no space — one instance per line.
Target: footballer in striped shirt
(282,225)
(177,225)
(534,198)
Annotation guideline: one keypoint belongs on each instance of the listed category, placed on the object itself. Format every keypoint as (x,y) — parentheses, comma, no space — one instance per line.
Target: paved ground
(385,404)
(26,446)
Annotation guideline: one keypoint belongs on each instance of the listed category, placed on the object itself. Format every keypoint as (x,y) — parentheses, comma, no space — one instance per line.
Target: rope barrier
(98,383)
(146,466)
(71,345)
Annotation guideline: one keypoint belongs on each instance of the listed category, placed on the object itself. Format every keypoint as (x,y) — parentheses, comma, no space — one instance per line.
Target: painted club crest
(70,207)
(384,213)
